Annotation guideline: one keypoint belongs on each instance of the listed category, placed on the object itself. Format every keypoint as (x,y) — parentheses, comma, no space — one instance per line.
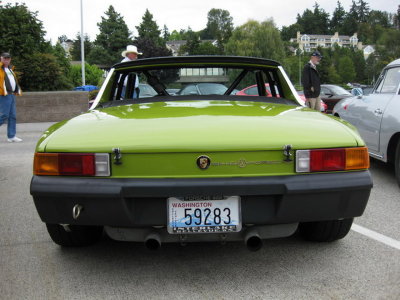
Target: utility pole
(82,47)
(299,52)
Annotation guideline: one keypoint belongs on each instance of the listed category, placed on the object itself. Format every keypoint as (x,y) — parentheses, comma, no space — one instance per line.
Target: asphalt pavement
(361,266)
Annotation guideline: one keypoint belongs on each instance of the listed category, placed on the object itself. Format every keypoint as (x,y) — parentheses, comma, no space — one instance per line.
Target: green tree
(76,47)
(175,36)
(338,17)
(359,65)
(388,46)
(165,33)
(113,38)
(289,32)
(350,23)
(362,11)
(150,49)
(61,57)
(100,56)
(39,65)
(207,48)
(256,39)
(219,26)
(315,22)
(333,76)
(149,29)
(21,32)
(377,17)
(346,69)
(42,72)
(192,43)
(93,74)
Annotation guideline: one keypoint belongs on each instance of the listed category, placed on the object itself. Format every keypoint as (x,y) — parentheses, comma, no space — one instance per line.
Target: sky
(63,17)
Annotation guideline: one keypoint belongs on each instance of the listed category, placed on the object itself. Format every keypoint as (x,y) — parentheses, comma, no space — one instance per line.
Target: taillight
(71,164)
(325,160)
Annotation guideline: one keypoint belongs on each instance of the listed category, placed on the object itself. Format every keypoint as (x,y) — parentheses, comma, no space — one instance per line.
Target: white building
(309,42)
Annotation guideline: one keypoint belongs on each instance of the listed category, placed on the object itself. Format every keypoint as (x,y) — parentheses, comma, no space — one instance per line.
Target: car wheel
(74,235)
(397,163)
(325,231)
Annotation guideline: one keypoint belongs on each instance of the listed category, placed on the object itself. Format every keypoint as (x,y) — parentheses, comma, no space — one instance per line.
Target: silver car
(377,116)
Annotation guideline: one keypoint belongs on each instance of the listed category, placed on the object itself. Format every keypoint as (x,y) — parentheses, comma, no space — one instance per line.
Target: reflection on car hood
(181,126)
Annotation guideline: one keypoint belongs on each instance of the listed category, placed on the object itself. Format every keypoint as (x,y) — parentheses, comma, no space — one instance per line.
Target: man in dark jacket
(311,82)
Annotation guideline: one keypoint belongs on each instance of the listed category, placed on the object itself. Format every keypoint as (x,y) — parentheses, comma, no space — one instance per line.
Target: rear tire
(325,231)
(397,163)
(78,236)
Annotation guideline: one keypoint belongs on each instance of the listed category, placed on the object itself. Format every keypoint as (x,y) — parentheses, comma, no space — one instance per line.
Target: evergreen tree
(359,65)
(338,17)
(362,11)
(377,17)
(314,22)
(350,25)
(149,29)
(149,40)
(100,56)
(165,33)
(149,49)
(346,69)
(192,43)
(76,47)
(113,38)
(289,32)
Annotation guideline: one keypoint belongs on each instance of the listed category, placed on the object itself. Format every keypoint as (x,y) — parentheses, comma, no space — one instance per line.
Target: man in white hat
(131,53)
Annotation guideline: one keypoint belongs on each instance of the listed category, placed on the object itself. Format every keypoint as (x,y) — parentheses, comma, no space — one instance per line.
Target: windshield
(152,82)
(337,90)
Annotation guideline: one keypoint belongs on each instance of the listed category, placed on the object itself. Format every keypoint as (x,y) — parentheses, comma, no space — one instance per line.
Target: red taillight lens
(327,160)
(76,164)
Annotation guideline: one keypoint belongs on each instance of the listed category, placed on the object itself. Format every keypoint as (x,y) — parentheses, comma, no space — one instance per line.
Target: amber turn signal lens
(45,164)
(357,158)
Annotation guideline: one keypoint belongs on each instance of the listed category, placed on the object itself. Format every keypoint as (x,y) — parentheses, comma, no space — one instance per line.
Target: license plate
(194,215)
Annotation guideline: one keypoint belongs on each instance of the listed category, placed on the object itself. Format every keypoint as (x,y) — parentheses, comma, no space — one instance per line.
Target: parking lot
(364,265)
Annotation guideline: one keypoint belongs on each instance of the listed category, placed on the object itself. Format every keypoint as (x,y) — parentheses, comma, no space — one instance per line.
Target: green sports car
(192,168)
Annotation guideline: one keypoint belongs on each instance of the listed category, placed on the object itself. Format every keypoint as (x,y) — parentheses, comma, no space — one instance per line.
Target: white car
(377,116)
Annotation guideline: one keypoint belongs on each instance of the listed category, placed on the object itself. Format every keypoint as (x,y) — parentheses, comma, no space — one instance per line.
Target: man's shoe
(14,140)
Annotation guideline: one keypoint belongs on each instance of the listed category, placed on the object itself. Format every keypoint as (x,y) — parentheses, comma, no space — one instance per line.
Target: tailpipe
(253,241)
(153,241)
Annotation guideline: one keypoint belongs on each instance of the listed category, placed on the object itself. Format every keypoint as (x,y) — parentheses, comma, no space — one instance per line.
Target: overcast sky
(63,17)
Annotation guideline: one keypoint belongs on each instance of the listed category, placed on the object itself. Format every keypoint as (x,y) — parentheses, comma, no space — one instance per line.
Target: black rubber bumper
(142,202)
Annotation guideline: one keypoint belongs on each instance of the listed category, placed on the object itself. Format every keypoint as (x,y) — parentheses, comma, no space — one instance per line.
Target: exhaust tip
(152,242)
(254,243)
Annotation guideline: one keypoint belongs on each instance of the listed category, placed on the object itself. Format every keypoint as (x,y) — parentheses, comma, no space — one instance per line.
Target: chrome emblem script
(203,162)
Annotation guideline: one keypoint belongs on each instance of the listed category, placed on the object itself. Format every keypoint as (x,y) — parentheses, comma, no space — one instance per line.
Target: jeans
(8,110)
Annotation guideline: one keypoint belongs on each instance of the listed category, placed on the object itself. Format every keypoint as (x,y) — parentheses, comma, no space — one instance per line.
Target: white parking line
(376,236)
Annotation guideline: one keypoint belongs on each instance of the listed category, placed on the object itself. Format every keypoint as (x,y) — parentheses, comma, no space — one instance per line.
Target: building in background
(309,42)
